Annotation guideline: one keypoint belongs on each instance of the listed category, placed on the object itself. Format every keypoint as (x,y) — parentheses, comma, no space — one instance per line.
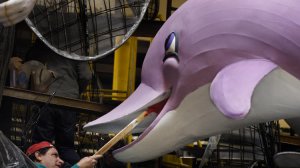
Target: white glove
(14,11)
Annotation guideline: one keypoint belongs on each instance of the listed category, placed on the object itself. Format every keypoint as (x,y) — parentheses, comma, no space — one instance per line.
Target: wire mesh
(252,146)
(86,29)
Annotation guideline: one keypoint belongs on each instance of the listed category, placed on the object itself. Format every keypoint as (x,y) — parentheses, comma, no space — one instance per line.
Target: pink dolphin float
(221,65)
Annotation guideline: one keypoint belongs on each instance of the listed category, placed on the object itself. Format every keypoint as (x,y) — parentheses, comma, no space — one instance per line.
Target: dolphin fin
(232,88)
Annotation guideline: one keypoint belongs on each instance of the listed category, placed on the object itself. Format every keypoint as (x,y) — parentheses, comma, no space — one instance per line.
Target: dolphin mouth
(143,98)
(153,110)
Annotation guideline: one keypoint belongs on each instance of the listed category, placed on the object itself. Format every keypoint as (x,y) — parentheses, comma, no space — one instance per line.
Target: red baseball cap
(35,147)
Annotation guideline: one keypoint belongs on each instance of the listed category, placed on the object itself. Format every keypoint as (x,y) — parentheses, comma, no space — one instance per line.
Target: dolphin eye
(171,47)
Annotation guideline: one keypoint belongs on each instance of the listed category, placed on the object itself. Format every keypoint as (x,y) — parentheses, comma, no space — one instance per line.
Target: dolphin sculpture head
(218,65)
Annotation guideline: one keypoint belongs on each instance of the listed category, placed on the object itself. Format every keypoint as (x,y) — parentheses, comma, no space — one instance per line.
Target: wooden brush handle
(122,133)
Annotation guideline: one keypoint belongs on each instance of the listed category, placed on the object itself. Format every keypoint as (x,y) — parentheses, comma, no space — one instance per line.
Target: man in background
(57,123)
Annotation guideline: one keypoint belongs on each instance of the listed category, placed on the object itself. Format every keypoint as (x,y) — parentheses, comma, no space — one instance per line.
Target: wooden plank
(28,95)
(292,140)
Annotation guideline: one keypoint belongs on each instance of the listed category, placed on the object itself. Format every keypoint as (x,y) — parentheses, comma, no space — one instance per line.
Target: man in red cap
(45,155)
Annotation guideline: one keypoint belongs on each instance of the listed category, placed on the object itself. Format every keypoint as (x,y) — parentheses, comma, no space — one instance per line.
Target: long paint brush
(155,108)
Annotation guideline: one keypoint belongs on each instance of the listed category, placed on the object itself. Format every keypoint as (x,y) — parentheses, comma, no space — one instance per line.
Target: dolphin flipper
(232,88)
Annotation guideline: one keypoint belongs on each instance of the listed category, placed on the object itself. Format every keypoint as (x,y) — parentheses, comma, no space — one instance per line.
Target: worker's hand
(14,11)
(88,162)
